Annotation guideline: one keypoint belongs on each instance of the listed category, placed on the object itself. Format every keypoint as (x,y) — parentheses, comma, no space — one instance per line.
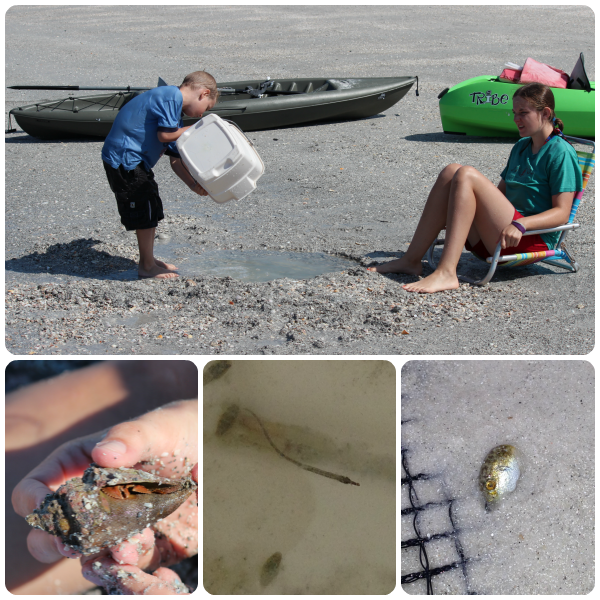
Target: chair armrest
(566,227)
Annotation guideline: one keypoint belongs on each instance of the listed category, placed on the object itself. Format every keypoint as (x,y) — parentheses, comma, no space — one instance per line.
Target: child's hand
(199,190)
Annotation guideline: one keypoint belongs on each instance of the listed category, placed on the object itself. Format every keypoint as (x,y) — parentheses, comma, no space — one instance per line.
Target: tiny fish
(499,473)
(227,419)
(270,569)
(215,369)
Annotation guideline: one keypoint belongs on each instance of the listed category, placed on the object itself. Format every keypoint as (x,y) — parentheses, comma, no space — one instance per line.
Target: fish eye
(490,485)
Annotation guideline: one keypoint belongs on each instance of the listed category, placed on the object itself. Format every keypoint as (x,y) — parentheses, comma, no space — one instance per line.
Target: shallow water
(250,265)
(262,265)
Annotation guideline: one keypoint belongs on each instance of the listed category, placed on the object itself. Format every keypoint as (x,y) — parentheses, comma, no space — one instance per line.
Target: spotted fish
(499,473)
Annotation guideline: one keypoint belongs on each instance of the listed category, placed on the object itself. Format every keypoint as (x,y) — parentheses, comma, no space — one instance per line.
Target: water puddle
(249,265)
(262,265)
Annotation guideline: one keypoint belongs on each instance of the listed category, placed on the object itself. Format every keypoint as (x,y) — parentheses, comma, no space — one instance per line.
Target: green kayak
(483,106)
(252,105)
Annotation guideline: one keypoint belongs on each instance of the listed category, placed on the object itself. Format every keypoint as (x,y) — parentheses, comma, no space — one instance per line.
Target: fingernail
(113,446)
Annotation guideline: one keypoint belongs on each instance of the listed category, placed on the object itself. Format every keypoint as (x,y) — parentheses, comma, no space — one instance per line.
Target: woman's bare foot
(400,265)
(436,282)
(156,272)
(165,265)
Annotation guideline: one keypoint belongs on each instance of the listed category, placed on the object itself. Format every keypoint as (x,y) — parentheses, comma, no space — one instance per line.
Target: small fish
(215,369)
(228,419)
(499,473)
(270,569)
(340,478)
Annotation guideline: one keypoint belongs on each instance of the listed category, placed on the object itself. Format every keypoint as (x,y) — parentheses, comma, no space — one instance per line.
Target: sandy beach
(352,189)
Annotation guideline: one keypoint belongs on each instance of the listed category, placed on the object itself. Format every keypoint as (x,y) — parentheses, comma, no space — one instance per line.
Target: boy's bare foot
(436,282)
(400,265)
(165,265)
(156,272)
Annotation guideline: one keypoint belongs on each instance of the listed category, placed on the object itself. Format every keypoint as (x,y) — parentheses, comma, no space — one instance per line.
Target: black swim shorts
(137,196)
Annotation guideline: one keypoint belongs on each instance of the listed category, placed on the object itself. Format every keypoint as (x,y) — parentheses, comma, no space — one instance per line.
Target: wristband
(519,226)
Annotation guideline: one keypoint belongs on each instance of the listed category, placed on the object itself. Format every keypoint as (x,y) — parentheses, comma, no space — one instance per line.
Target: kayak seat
(317,85)
(578,80)
(559,256)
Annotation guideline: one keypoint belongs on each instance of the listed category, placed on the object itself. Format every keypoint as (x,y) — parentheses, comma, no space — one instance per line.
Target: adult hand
(125,571)
(133,567)
(510,237)
(164,440)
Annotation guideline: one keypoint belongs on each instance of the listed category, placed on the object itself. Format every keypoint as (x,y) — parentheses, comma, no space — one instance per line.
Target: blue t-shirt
(133,137)
(532,179)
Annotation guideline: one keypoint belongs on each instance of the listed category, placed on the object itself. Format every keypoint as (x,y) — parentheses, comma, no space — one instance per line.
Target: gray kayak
(252,105)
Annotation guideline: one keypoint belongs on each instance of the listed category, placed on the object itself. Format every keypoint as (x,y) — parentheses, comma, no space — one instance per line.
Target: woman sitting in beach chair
(536,191)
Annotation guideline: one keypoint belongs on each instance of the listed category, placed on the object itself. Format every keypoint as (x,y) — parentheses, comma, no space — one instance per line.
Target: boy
(145,129)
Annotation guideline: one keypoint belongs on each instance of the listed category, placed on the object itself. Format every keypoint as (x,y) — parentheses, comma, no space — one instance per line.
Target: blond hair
(201,79)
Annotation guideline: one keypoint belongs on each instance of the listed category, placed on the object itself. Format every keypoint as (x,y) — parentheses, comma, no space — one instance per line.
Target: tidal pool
(262,265)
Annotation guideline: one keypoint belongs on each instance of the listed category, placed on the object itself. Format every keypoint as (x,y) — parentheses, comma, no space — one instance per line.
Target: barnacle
(106,506)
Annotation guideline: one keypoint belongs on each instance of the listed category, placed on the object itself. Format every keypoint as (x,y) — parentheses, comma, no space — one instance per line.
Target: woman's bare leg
(475,207)
(432,221)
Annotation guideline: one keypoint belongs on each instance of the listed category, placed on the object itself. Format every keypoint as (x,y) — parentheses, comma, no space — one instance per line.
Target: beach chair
(559,256)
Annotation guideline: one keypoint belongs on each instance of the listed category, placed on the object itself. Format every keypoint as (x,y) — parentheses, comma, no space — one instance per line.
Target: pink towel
(536,72)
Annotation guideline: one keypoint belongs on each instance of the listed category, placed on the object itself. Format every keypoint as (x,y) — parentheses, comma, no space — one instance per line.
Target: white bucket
(220,158)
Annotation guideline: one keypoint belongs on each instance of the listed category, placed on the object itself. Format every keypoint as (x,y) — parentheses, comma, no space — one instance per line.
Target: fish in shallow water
(270,569)
(499,473)
(215,369)
(227,419)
